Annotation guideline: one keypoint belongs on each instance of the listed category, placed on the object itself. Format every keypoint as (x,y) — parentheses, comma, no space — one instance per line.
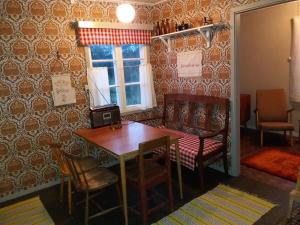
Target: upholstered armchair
(272,112)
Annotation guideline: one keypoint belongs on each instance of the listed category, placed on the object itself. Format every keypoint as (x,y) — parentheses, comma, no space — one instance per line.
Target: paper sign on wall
(62,93)
(189,64)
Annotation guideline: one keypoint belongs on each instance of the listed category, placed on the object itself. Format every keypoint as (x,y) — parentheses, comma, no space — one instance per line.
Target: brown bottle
(154,30)
(182,25)
(163,27)
(168,28)
(158,29)
(172,26)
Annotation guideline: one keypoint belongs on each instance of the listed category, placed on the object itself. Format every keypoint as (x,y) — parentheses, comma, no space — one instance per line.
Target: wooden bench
(204,122)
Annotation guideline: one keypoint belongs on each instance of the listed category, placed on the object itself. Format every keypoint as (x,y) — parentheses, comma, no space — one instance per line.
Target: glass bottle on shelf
(182,25)
(163,27)
(158,30)
(154,33)
(172,26)
(167,26)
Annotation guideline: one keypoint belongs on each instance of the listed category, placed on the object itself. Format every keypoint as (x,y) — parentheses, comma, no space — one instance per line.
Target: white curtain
(147,86)
(295,62)
(98,86)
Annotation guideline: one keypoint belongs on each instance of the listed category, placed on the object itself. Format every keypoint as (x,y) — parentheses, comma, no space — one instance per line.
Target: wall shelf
(207,32)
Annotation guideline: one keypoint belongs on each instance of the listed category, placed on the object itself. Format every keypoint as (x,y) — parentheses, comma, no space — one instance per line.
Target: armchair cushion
(276,126)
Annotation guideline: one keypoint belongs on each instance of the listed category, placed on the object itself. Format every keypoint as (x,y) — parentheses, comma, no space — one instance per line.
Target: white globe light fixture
(125,13)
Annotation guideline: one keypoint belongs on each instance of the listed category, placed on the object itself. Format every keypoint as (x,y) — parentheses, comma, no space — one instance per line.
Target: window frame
(120,74)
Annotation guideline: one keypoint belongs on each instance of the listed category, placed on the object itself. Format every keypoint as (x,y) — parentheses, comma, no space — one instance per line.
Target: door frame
(235,77)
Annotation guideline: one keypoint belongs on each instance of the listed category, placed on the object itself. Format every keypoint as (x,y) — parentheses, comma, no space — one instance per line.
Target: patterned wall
(31,32)
(215,79)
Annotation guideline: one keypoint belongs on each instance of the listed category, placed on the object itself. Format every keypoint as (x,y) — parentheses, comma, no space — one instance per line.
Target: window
(125,81)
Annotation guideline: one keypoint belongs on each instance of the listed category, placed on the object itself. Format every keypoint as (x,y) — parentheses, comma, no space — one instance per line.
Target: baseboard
(29,191)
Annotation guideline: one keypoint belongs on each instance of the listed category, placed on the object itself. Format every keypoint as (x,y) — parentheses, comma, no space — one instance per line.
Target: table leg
(178,168)
(124,191)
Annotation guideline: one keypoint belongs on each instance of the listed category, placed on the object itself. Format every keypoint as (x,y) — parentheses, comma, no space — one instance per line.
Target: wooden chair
(294,196)
(86,162)
(90,181)
(148,172)
(272,112)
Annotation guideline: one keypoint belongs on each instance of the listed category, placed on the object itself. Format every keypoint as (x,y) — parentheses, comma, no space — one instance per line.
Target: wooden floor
(266,186)
(250,144)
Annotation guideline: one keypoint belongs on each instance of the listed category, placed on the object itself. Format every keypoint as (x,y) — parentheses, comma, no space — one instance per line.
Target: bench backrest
(196,111)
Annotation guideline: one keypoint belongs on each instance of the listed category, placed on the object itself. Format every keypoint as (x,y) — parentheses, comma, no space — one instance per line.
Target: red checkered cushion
(189,146)
(89,36)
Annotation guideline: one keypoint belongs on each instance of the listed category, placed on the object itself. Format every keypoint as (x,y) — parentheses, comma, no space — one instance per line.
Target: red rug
(276,162)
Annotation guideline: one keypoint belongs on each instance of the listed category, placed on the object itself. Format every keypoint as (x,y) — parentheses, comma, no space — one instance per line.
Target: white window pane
(130,51)
(131,71)
(102,52)
(133,94)
(110,68)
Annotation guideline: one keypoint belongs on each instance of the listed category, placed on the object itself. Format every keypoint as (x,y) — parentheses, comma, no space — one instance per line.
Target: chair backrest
(163,144)
(78,174)
(58,154)
(271,105)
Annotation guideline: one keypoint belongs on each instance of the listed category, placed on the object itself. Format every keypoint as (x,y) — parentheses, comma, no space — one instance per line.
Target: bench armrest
(290,110)
(209,134)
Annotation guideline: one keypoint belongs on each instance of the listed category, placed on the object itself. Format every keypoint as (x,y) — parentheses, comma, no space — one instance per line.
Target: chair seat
(189,148)
(98,178)
(276,125)
(152,170)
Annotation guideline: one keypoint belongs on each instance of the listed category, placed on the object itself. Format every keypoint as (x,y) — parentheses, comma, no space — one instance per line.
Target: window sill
(135,111)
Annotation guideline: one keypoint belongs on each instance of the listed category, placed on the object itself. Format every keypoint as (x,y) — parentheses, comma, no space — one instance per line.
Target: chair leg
(70,195)
(144,207)
(290,209)
(261,137)
(170,193)
(291,136)
(118,189)
(225,162)
(86,214)
(201,175)
(62,183)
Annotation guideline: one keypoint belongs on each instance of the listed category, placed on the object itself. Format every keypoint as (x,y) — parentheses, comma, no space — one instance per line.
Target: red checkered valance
(90,36)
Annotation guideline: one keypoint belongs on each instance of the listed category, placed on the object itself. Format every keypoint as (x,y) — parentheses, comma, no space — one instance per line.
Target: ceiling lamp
(125,13)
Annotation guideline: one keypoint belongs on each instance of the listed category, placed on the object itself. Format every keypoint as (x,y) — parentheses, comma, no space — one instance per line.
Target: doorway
(235,75)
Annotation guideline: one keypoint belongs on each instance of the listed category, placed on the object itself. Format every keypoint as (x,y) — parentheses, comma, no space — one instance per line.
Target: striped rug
(221,206)
(28,212)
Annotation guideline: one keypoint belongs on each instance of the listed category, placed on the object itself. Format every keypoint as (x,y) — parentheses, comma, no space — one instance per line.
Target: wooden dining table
(123,143)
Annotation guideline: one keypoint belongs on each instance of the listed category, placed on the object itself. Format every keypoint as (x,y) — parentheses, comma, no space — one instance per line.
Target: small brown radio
(104,116)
